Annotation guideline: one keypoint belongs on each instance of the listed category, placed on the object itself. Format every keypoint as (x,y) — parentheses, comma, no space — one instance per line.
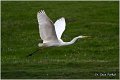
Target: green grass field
(92,58)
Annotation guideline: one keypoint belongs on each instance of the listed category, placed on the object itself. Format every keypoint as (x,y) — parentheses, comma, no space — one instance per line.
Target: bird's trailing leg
(34,52)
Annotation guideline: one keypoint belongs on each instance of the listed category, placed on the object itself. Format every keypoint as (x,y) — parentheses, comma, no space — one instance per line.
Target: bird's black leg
(33,52)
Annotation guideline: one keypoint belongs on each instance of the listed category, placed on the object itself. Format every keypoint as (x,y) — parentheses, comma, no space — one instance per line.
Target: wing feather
(46,28)
(60,27)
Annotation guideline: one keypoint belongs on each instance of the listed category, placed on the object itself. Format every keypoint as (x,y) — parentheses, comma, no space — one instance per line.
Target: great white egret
(51,32)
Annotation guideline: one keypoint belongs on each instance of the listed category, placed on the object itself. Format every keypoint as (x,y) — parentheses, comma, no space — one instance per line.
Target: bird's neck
(72,41)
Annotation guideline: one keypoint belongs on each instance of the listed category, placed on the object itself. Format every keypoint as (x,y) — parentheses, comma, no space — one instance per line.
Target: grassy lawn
(95,57)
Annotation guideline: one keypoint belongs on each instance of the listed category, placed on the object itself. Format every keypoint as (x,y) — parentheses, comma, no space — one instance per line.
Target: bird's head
(84,36)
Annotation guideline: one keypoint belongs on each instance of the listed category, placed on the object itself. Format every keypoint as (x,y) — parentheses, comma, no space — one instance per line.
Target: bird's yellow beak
(86,36)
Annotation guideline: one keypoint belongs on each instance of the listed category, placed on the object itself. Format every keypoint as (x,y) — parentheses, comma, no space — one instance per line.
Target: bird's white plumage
(60,27)
(51,32)
(46,28)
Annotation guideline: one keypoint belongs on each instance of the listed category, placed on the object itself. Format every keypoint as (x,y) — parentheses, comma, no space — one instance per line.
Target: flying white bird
(51,32)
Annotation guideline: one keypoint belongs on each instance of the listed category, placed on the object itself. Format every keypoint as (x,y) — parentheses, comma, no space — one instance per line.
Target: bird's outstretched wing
(60,27)
(46,28)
